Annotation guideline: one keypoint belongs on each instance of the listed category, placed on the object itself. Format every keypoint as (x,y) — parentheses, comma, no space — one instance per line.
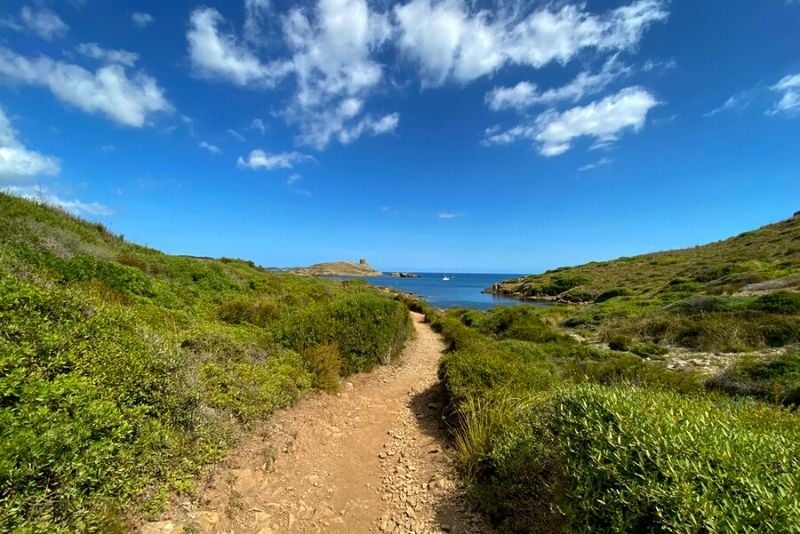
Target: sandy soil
(374,458)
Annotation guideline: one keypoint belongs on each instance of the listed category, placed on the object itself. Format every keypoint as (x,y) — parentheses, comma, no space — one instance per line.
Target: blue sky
(422,134)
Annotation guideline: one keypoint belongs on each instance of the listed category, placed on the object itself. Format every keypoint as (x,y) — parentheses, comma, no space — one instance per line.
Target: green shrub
(619,342)
(368,329)
(783,302)
(259,311)
(612,293)
(774,379)
(254,390)
(325,364)
(632,370)
(94,407)
(517,322)
(119,277)
(643,461)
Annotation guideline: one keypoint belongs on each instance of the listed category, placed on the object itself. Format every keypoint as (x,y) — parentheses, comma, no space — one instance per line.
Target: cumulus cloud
(258,159)
(789,88)
(329,59)
(141,19)
(18,162)
(43,22)
(110,91)
(526,94)
(604,120)
(216,54)
(449,40)
(95,51)
(331,52)
(42,194)
(213,149)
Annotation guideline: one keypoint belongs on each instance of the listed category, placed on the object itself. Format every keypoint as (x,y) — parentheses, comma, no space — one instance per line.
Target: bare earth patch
(374,458)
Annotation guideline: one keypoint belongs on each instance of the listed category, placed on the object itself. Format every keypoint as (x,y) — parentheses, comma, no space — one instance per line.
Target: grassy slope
(769,253)
(736,295)
(123,370)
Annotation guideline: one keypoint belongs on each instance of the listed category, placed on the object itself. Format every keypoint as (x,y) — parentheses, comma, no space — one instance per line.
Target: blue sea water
(462,290)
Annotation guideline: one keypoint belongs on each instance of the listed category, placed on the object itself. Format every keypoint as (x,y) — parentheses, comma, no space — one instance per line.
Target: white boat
(445,278)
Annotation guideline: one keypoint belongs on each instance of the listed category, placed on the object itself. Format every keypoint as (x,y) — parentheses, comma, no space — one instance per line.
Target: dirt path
(373,458)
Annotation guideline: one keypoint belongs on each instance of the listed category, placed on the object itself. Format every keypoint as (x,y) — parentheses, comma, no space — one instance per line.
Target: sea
(462,290)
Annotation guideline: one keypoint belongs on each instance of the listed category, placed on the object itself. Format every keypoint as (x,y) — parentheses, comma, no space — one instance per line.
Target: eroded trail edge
(373,458)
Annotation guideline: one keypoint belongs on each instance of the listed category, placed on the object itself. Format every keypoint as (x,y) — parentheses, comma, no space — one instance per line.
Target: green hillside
(734,295)
(124,370)
(741,263)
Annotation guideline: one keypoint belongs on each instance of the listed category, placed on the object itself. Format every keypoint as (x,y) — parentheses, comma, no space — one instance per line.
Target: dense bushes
(368,329)
(644,461)
(93,407)
(775,379)
(558,436)
(123,370)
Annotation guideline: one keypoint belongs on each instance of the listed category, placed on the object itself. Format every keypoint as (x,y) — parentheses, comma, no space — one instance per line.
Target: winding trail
(374,458)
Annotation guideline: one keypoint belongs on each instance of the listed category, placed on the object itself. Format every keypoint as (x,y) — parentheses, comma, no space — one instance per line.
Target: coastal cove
(462,290)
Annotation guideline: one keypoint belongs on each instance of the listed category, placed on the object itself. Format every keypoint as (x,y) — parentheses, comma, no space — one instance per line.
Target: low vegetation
(737,295)
(124,370)
(558,435)
(575,418)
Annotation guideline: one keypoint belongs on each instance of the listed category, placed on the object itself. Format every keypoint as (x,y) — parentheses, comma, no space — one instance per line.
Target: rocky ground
(374,458)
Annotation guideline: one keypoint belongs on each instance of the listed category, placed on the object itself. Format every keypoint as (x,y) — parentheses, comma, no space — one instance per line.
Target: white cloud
(43,22)
(789,87)
(41,194)
(258,159)
(599,163)
(385,124)
(329,59)
(604,120)
(236,135)
(739,101)
(218,55)
(141,19)
(293,179)
(127,100)
(333,68)
(255,12)
(525,94)
(18,162)
(258,124)
(213,149)
(95,51)
(451,41)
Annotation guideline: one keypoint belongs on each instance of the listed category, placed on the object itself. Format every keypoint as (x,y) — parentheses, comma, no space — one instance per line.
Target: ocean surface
(462,290)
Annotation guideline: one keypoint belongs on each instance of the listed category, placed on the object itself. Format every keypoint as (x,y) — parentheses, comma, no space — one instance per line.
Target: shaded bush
(775,379)
(783,302)
(612,293)
(259,311)
(325,364)
(368,329)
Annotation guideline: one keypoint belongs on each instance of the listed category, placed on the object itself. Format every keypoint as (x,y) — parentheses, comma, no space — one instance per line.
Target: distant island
(339,268)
